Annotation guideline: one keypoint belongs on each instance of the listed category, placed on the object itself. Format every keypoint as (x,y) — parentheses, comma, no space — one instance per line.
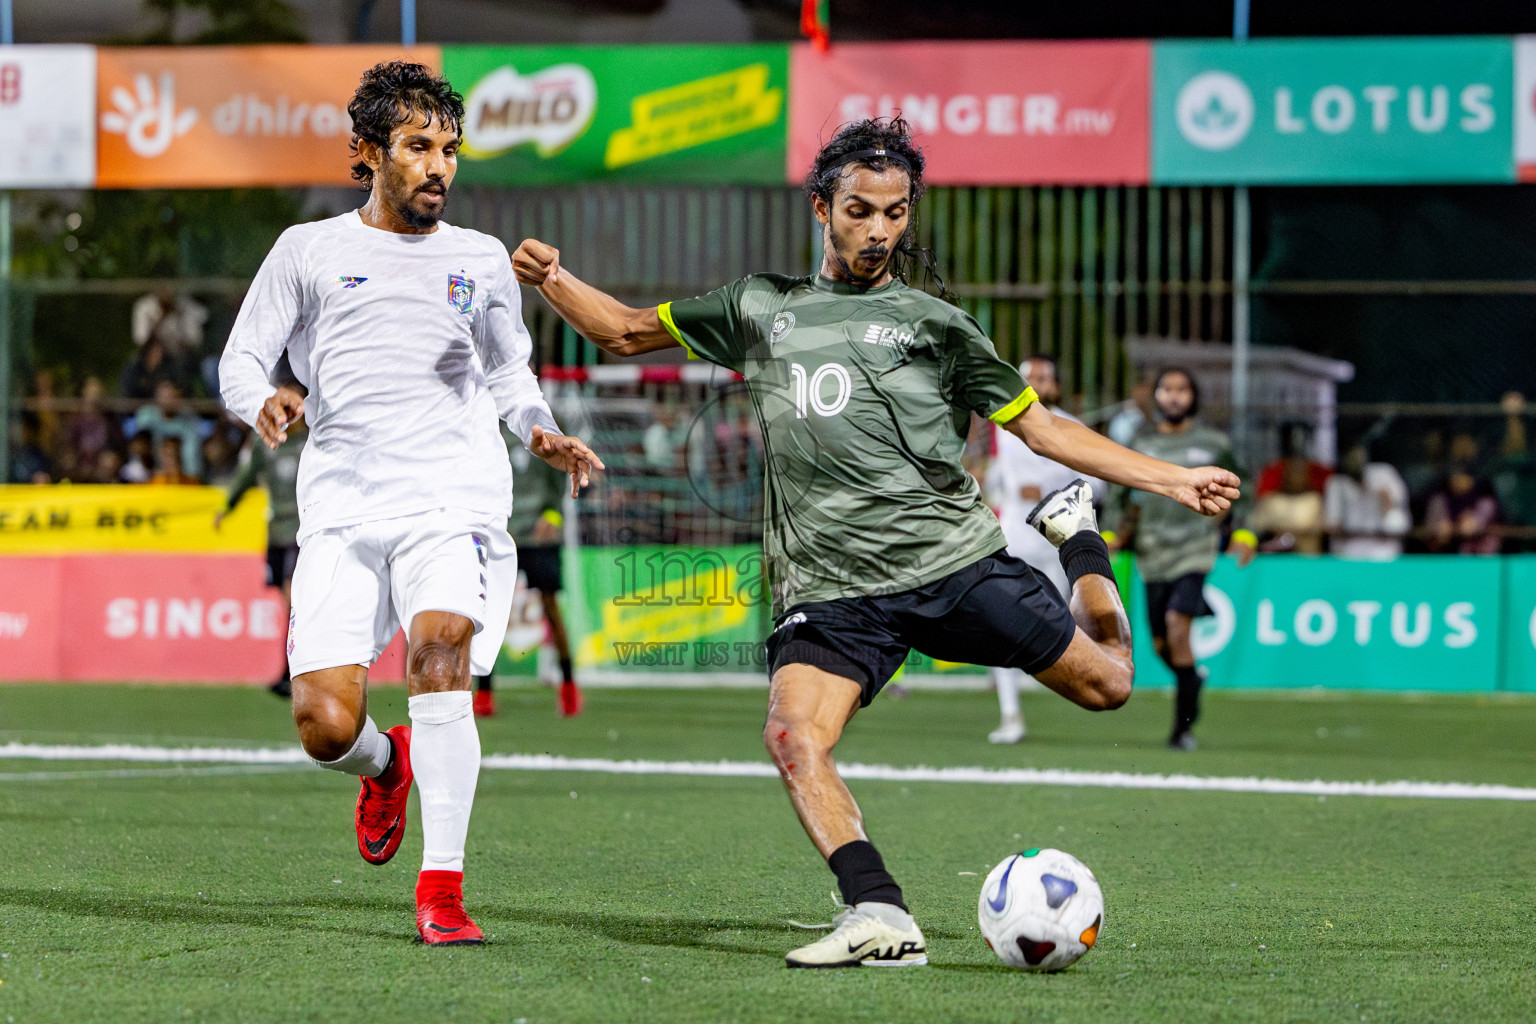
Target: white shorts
(354,586)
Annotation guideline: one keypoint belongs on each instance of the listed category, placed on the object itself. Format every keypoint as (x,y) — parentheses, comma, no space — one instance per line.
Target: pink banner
(154,617)
(1005,113)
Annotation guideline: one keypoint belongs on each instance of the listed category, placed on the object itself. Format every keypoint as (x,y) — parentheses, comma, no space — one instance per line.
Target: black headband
(865,155)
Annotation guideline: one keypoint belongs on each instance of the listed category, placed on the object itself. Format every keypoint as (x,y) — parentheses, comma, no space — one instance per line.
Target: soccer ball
(1041,910)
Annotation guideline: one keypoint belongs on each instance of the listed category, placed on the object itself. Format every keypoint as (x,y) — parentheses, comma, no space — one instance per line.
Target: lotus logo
(551,108)
(147,119)
(1215,110)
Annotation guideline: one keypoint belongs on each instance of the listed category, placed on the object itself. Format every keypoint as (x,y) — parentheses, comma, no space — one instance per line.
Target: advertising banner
(992,113)
(1299,111)
(48,114)
(1422,622)
(72,519)
(230,116)
(155,617)
(1518,668)
(554,115)
(1525,107)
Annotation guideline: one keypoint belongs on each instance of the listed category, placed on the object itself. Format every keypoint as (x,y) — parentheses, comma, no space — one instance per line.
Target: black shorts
(1185,595)
(281,559)
(997,611)
(542,567)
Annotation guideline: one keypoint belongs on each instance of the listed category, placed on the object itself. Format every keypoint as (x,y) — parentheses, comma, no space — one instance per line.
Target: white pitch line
(760,770)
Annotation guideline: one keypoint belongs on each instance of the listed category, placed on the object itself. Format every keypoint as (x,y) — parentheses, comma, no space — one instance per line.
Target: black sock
(1186,700)
(861,875)
(483,682)
(1085,554)
(567,670)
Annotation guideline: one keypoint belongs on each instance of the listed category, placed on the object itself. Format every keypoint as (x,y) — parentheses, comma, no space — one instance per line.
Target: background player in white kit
(406,336)
(1017,479)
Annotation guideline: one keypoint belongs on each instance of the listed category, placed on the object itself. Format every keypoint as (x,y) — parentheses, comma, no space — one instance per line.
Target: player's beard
(881,252)
(1171,419)
(401,197)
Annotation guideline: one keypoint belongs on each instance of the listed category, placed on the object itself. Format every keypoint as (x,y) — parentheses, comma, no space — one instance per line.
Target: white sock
(1007,682)
(445,754)
(369,755)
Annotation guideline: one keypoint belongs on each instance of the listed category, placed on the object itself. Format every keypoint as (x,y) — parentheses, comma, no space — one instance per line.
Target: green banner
(1422,622)
(555,115)
(1333,111)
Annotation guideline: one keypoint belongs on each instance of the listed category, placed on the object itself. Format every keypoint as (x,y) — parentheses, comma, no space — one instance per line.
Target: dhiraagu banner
(554,115)
(1299,111)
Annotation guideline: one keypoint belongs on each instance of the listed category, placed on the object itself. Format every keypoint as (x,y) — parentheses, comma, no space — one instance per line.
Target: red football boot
(570,699)
(440,917)
(485,703)
(381,805)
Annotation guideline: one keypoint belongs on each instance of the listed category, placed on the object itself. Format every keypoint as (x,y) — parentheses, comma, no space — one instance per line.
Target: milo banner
(1422,622)
(1333,111)
(551,115)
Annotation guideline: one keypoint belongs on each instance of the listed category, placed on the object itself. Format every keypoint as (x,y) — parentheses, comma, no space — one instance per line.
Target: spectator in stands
(140,452)
(221,460)
(29,462)
(105,469)
(50,425)
(1293,466)
(91,431)
(1513,473)
(176,321)
(1365,508)
(149,368)
(1463,512)
(1423,475)
(168,464)
(664,441)
(168,416)
(1290,518)
(1136,414)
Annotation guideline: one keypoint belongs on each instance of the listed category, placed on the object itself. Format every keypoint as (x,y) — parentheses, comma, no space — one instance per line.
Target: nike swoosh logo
(377,847)
(998,902)
(852,949)
(446,931)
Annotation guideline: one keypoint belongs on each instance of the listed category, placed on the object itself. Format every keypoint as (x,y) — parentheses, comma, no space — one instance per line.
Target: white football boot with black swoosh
(1065,513)
(866,935)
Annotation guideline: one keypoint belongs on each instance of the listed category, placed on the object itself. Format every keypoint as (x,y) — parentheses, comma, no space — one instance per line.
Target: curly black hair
(879,143)
(397,92)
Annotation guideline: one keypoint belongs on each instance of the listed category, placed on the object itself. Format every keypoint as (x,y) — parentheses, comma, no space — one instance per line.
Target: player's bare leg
(570,693)
(445,754)
(807,710)
(330,707)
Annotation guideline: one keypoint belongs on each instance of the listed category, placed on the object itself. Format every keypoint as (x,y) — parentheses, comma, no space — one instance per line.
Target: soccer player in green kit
(876,539)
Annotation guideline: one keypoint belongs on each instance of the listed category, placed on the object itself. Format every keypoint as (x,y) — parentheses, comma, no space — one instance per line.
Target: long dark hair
(1194,387)
(879,143)
(394,93)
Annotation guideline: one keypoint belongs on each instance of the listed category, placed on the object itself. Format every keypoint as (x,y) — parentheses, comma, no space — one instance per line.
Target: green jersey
(1171,540)
(278,472)
(536,490)
(864,398)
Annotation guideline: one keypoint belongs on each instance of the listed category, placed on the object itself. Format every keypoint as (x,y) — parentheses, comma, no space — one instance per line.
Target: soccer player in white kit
(1017,480)
(406,337)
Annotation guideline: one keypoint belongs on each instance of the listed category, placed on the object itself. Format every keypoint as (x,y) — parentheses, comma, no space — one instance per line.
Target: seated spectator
(174,320)
(168,464)
(168,417)
(1463,512)
(149,368)
(1294,438)
(664,441)
(221,460)
(50,427)
(136,469)
(1136,413)
(106,468)
(1291,517)
(1365,508)
(1513,473)
(91,430)
(29,462)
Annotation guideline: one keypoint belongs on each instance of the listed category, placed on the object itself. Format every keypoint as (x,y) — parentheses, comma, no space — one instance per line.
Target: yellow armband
(1245,537)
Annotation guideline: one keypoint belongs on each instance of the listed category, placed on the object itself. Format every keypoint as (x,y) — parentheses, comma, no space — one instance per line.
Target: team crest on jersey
(461,292)
(350,282)
(782,325)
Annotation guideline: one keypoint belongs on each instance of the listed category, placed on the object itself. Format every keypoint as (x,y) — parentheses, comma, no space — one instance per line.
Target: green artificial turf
(215,896)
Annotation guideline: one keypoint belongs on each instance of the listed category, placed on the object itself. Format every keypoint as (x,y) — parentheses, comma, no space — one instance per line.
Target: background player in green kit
(1174,549)
(876,540)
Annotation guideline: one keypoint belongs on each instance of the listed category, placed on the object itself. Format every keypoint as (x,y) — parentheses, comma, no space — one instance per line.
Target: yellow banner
(694,113)
(69,519)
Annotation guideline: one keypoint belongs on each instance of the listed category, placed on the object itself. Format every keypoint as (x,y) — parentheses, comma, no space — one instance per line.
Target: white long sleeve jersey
(411,346)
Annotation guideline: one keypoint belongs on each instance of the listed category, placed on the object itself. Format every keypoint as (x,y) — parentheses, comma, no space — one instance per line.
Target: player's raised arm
(1209,490)
(268,316)
(610,324)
